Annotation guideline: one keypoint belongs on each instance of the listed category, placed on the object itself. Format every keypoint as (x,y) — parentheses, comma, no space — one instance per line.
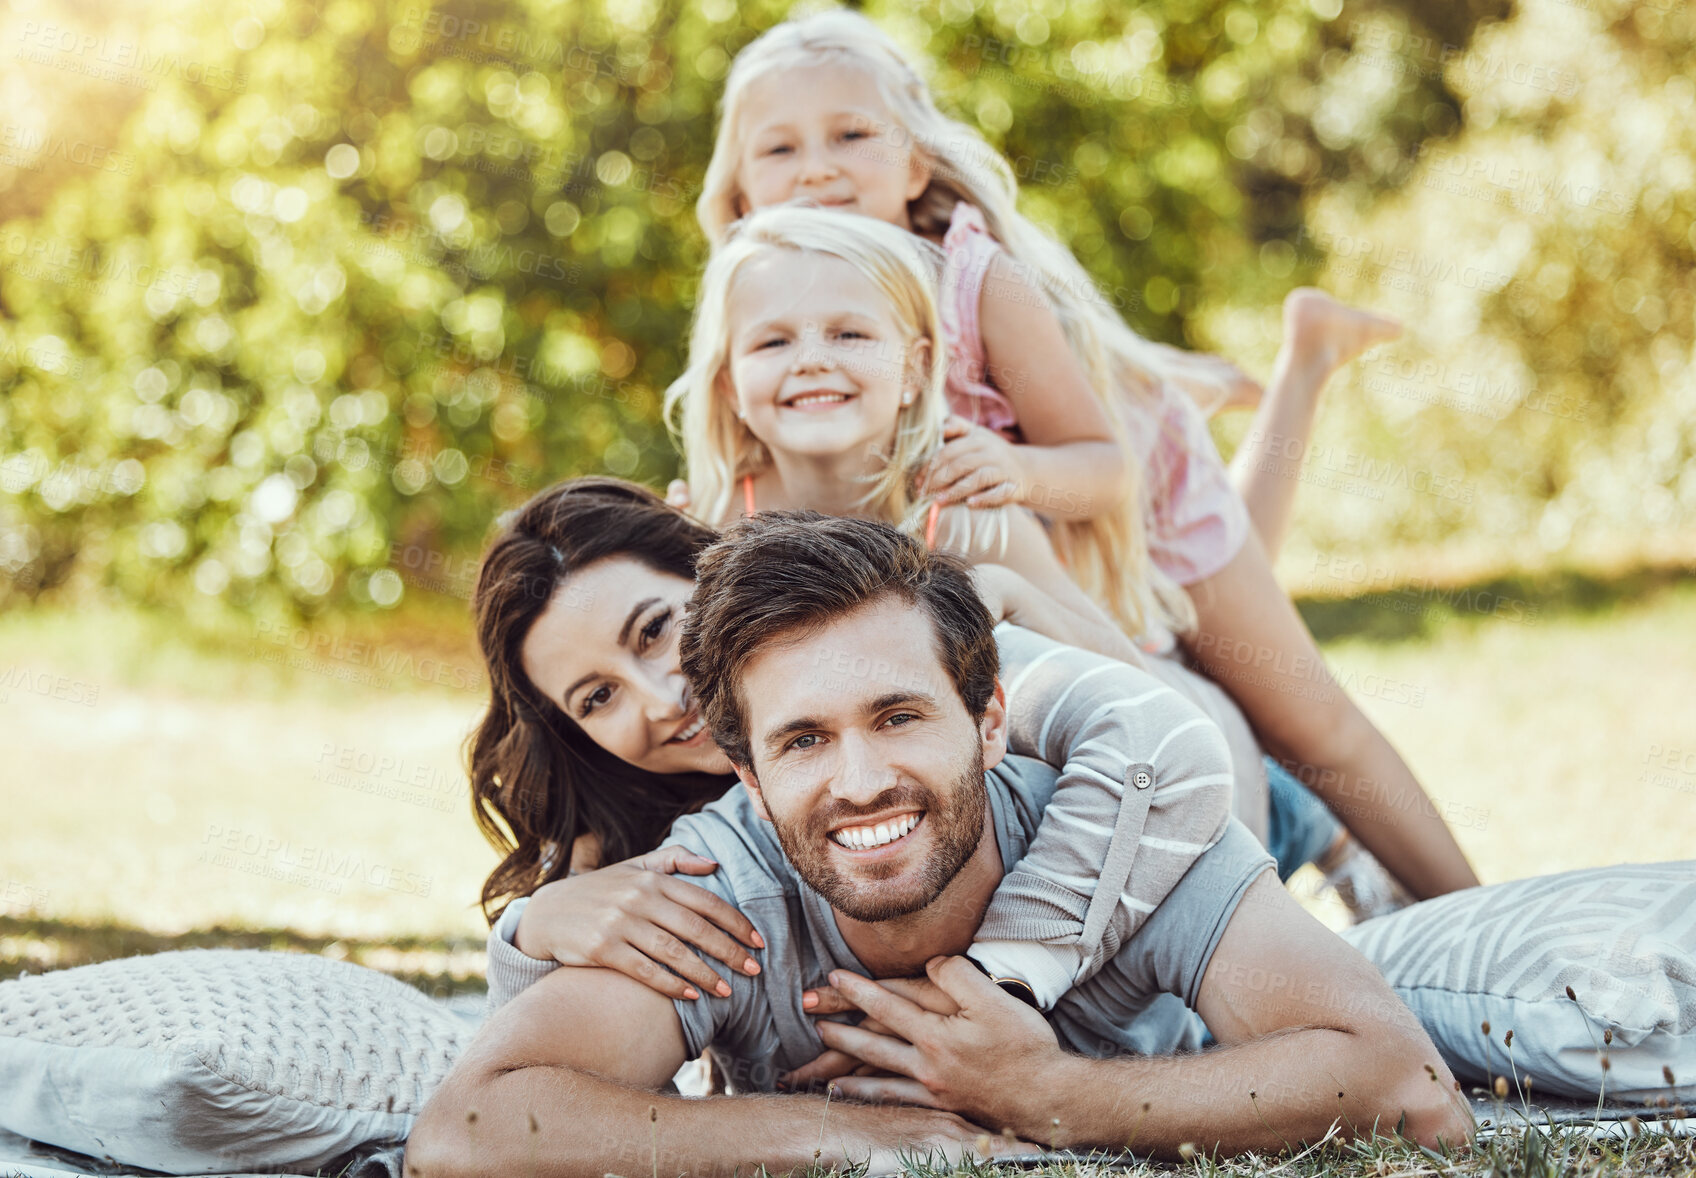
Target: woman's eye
(855,335)
(854,134)
(775,150)
(594,700)
(652,631)
(768,344)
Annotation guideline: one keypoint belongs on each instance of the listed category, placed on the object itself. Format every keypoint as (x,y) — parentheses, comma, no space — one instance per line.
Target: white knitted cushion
(1622,938)
(214,1060)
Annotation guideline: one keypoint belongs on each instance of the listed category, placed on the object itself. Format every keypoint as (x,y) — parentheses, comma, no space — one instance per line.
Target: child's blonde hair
(1106,555)
(718,447)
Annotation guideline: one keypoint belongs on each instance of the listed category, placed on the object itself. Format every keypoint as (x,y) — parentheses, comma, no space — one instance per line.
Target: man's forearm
(1267,1094)
(555,1121)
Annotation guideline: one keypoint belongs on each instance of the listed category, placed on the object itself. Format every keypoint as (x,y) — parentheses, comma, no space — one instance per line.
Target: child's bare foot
(1322,334)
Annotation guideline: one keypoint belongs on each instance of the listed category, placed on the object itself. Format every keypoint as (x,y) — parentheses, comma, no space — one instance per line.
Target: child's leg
(1302,830)
(1251,642)
(1320,336)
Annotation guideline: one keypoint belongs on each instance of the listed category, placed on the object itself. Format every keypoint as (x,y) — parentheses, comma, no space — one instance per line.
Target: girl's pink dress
(1196,521)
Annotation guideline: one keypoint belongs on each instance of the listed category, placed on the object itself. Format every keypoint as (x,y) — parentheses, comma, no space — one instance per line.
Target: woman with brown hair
(560,793)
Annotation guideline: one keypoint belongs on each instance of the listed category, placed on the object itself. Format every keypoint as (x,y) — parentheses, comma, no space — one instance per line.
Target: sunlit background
(295,298)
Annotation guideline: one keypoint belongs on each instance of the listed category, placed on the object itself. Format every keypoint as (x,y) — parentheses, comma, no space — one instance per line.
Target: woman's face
(825,134)
(818,361)
(605,651)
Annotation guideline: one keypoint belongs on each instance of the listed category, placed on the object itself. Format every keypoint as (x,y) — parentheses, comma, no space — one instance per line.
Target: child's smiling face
(823,133)
(818,360)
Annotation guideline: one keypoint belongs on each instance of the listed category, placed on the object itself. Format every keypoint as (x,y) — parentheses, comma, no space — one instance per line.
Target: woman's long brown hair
(537,780)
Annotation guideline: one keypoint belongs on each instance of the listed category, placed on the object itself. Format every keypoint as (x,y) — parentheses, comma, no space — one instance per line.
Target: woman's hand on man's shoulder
(637,918)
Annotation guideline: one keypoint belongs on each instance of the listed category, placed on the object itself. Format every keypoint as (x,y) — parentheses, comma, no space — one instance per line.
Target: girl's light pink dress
(1196,521)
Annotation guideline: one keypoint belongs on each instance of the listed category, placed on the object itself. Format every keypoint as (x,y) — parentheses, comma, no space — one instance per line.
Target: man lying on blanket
(566,1078)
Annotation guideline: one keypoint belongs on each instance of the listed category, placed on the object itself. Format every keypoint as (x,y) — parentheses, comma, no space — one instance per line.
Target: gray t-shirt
(1141,1002)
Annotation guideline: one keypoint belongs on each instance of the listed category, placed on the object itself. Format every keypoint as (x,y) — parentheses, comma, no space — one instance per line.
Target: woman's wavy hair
(537,780)
(1106,555)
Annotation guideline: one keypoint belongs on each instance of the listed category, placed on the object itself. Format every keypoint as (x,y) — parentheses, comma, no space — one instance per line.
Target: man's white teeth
(864,838)
(818,399)
(690,732)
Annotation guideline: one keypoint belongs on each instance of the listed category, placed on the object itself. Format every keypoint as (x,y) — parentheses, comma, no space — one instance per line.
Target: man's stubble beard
(955,834)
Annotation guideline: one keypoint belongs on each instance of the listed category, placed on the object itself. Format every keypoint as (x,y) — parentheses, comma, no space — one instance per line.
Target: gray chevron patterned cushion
(219,1060)
(1622,938)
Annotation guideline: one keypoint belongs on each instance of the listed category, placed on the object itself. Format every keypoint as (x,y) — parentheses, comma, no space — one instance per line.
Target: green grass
(1525,1151)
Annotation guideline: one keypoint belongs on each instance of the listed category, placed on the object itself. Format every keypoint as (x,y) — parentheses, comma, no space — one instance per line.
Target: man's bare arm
(562,1079)
(1310,1034)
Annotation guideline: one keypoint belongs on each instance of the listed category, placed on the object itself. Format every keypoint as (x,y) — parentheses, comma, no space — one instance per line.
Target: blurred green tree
(377,270)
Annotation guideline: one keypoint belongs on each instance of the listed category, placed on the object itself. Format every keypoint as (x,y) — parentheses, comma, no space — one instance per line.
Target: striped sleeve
(1145,787)
(510,969)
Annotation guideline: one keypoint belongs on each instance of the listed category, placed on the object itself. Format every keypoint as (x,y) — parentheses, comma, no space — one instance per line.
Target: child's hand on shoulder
(976,466)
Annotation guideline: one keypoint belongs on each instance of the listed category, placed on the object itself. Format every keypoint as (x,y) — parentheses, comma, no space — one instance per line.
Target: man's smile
(862,838)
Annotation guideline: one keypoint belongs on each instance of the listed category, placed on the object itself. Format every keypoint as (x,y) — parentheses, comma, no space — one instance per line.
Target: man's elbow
(440,1143)
(1424,1100)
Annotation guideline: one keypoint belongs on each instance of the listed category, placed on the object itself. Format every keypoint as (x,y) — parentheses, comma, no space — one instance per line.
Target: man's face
(866,761)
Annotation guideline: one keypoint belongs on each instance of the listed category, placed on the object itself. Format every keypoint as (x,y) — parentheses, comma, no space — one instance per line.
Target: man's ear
(752,785)
(993,729)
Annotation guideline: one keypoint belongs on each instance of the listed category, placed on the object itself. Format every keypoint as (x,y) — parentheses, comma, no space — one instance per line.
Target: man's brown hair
(779,572)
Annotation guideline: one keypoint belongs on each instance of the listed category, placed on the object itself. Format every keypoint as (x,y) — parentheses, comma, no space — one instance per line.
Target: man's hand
(833,1064)
(983,1061)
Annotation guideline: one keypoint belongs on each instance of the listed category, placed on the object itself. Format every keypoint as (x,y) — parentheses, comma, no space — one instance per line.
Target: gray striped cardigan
(1145,787)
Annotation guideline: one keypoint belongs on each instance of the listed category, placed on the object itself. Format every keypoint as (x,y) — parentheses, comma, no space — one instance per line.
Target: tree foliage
(369,272)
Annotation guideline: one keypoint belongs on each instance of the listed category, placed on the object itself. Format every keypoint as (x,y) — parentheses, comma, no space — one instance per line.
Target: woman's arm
(1252,643)
(1144,789)
(633,917)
